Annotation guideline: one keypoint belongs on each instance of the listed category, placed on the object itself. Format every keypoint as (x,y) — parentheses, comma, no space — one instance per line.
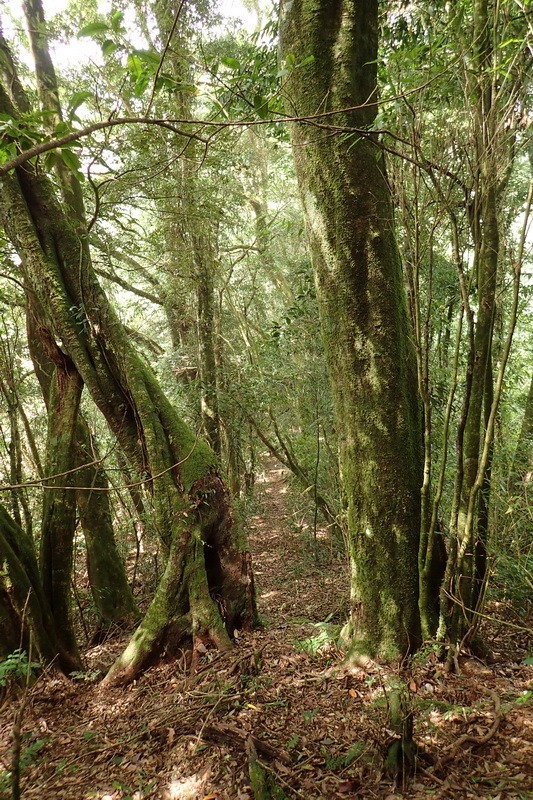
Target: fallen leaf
(347,786)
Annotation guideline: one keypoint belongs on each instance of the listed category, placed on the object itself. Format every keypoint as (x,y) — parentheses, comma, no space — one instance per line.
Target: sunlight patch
(186,788)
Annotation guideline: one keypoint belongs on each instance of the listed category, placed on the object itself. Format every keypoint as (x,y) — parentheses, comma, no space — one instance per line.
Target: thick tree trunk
(179,470)
(361,299)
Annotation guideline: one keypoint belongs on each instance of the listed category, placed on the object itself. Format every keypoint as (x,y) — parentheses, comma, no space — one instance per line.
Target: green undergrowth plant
(328,637)
(16,668)
(17,671)
(513,580)
(340,762)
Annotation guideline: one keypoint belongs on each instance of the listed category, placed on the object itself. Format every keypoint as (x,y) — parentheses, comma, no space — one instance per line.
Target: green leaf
(7,152)
(116,20)
(150,57)
(93,29)
(62,128)
(261,106)
(134,65)
(70,159)
(77,99)
(140,84)
(50,161)
(230,62)
(109,47)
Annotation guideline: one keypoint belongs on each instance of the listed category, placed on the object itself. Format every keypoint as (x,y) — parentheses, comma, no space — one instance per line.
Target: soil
(284,695)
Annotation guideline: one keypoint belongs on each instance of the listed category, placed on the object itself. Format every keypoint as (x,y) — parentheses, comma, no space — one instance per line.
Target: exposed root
(467,738)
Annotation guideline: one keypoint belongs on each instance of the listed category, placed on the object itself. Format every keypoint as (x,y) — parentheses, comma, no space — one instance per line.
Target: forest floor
(319,729)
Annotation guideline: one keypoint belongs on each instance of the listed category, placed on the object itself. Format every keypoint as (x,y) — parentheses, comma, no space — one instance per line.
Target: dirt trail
(176,735)
(298,577)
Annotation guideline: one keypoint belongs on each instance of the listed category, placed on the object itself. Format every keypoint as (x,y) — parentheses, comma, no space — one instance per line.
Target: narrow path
(297,575)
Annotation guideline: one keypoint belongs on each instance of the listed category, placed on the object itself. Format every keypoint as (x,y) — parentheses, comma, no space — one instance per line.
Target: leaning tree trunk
(112,595)
(208,597)
(190,502)
(349,220)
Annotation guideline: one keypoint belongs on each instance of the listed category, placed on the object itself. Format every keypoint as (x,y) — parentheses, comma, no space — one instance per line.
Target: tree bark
(179,470)
(29,600)
(466,570)
(111,592)
(59,503)
(360,292)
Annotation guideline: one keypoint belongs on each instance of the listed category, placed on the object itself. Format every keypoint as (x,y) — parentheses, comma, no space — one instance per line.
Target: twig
(467,738)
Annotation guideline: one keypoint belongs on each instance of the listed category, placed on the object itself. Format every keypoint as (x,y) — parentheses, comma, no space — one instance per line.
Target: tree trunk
(522,467)
(111,592)
(59,502)
(206,325)
(29,601)
(180,471)
(469,522)
(11,634)
(349,220)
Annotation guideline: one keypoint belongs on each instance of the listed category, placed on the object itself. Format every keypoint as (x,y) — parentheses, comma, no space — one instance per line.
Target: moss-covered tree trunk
(27,598)
(349,219)
(112,595)
(191,233)
(179,470)
(111,592)
(466,569)
(59,502)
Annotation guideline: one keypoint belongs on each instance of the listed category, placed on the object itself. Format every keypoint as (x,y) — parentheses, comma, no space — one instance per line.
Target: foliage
(16,668)
(328,636)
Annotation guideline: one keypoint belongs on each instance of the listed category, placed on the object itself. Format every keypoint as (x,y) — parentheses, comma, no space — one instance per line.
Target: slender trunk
(471,539)
(111,593)
(522,466)
(59,503)
(206,322)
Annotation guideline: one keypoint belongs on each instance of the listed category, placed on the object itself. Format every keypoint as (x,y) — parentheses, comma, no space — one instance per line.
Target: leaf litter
(317,728)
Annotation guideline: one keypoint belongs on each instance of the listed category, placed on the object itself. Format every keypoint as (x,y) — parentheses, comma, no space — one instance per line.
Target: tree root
(229,734)
(467,738)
